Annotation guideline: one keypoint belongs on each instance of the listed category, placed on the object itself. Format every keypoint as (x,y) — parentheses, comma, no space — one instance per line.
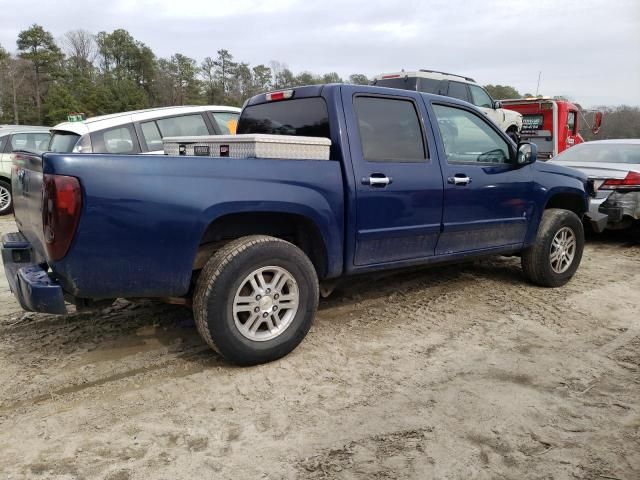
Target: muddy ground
(457,372)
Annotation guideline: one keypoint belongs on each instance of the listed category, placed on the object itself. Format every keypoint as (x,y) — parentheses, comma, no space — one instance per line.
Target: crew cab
(411,179)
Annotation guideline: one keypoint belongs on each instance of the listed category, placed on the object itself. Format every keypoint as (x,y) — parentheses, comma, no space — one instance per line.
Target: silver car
(17,137)
(614,168)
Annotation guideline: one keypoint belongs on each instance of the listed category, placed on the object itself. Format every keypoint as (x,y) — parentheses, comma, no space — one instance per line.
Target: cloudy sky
(586,49)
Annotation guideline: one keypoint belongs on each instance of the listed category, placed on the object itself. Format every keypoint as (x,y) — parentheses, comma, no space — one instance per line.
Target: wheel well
(6,179)
(296,229)
(567,201)
(512,128)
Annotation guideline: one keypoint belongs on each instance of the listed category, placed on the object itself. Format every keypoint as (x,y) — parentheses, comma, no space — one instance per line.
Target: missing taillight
(61,204)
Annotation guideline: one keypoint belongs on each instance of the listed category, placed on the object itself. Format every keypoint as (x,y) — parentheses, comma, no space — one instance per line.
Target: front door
(398,184)
(487,198)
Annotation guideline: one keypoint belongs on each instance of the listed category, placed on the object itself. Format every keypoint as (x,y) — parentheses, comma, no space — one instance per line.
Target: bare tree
(15,71)
(81,48)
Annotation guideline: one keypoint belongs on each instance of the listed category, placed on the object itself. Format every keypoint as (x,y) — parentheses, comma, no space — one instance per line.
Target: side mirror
(497,104)
(597,124)
(527,153)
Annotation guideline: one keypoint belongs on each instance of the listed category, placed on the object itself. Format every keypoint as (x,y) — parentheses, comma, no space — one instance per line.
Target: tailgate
(26,186)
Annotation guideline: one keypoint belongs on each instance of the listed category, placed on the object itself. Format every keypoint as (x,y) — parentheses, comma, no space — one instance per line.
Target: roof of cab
(114,119)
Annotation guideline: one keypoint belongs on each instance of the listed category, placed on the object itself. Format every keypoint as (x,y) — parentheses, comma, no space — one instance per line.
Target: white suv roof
(113,120)
(436,75)
(5,129)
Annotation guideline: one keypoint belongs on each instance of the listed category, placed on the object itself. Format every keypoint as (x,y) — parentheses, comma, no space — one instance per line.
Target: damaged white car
(614,168)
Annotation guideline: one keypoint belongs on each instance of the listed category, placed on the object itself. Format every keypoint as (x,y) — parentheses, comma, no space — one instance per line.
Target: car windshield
(602,153)
(63,142)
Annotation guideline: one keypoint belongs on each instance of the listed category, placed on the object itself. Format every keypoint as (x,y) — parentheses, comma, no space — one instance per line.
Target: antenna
(538,87)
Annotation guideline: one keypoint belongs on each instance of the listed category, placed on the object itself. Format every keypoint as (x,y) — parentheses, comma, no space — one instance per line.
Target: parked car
(411,179)
(141,131)
(16,137)
(456,86)
(614,167)
(553,124)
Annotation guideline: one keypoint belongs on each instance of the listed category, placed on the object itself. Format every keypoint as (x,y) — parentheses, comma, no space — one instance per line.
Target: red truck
(552,124)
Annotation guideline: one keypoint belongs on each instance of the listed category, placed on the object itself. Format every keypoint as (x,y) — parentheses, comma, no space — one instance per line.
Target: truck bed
(143,217)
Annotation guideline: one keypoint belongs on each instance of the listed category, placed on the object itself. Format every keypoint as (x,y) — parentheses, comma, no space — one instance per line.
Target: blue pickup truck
(412,179)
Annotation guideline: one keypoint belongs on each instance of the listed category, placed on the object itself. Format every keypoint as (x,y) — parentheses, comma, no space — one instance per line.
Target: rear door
(487,198)
(398,178)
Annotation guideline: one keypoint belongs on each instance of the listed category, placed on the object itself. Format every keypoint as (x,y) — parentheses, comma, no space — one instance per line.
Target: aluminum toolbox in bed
(250,146)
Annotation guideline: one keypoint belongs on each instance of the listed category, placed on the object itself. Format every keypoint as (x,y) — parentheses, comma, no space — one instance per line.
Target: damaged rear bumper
(617,209)
(28,279)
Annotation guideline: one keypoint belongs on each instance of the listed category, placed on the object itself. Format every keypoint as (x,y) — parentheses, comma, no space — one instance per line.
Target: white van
(141,131)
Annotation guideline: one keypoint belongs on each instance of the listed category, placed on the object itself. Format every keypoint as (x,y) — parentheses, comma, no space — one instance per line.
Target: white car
(614,168)
(142,131)
(456,86)
(17,137)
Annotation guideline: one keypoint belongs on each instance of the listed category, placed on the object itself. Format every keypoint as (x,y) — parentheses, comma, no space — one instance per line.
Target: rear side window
(389,130)
(430,85)
(303,117)
(152,136)
(120,140)
(185,125)
(33,142)
(227,122)
(404,83)
(479,97)
(2,143)
(458,90)
(63,142)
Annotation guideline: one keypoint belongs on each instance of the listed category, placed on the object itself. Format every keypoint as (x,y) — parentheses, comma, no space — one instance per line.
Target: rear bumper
(29,281)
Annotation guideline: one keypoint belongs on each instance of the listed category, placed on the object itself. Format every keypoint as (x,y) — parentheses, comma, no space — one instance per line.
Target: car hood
(600,170)
(556,168)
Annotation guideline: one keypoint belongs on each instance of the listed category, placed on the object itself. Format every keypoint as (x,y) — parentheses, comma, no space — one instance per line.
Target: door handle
(459,180)
(377,181)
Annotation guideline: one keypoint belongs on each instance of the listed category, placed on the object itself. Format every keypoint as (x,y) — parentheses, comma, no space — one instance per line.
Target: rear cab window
(306,116)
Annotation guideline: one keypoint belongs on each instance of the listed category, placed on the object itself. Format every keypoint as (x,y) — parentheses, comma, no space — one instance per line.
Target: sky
(588,50)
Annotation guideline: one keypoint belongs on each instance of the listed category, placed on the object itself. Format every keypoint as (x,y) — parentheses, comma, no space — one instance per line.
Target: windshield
(302,117)
(63,142)
(602,153)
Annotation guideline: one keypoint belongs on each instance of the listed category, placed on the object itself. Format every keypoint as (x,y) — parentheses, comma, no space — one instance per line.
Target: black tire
(223,277)
(536,260)
(635,231)
(513,135)
(5,188)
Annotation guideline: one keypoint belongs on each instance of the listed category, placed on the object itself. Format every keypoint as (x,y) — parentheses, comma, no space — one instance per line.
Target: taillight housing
(281,95)
(61,204)
(630,182)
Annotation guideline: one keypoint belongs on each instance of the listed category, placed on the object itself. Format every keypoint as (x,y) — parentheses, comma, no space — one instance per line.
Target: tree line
(108,72)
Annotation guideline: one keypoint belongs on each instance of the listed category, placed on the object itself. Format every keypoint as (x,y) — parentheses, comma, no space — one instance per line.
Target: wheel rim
(266,303)
(5,198)
(563,250)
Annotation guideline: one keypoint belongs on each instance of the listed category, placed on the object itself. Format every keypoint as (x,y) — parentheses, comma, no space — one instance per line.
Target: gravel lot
(457,372)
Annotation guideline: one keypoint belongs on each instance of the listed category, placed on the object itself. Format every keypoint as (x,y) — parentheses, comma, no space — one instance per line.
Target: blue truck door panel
(487,199)
(398,186)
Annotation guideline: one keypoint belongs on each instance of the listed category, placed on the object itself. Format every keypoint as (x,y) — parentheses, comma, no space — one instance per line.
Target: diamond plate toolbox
(250,146)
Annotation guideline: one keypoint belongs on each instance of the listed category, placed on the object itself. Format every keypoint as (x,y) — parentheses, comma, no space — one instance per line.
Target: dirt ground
(457,372)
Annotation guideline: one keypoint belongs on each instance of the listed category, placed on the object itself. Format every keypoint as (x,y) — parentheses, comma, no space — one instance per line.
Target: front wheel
(255,299)
(6,200)
(513,135)
(557,250)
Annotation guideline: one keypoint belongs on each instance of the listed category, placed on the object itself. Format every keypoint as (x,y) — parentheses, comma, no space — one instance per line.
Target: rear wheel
(255,299)
(6,200)
(556,253)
